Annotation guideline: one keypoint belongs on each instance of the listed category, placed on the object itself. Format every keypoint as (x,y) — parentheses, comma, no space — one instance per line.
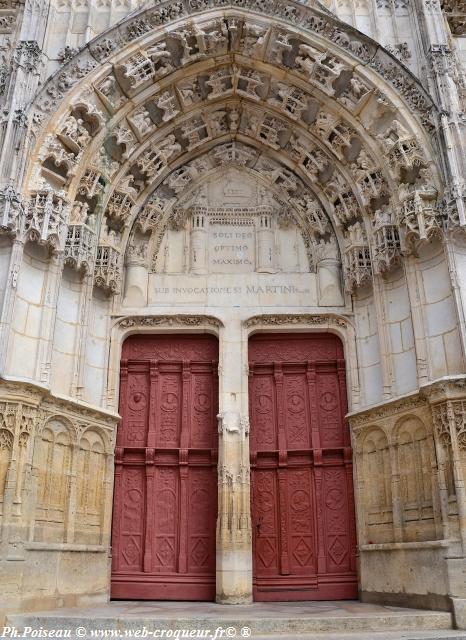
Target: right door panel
(302,495)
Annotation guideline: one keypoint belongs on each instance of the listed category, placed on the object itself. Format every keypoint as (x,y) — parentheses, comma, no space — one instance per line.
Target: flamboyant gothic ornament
(386,241)
(357,259)
(419,217)
(46,215)
(11,211)
(108,266)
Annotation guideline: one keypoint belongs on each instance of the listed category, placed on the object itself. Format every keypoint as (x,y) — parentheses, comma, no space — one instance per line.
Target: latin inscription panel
(231,248)
(229,290)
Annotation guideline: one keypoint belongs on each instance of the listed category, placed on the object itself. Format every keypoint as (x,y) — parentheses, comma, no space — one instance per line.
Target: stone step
(370,635)
(352,619)
(382,635)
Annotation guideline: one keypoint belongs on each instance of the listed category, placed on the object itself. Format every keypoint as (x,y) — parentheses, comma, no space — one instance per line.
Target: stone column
(234,546)
(198,244)
(136,282)
(85,306)
(6,313)
(383,330)
(49,314)
(422,364)
(265,245)
(397,505)
(329,283)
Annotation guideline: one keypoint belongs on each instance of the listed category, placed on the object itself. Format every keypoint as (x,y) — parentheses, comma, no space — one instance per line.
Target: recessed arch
(174,86)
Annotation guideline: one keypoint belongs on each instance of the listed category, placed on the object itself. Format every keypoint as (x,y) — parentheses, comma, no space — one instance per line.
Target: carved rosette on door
(165,510)
(304,540)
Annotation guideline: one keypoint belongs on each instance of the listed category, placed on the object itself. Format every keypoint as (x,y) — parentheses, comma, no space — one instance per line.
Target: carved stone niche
(144,66)
(357,259)
(419,217)
(45,219)
(107,269)
(231,226)
(386,241)
(11,211)
(238,234)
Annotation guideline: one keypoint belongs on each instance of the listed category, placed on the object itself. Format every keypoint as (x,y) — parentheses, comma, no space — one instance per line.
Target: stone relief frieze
(169,321)
(300,319)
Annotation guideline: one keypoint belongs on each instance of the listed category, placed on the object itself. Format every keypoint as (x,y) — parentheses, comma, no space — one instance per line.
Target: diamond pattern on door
(301,495)
(165,505)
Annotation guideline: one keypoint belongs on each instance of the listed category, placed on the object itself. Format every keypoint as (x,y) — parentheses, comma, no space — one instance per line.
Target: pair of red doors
(165,505)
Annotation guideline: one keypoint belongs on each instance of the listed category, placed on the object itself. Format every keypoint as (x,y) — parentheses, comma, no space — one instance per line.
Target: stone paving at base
(316,620)
(256,609)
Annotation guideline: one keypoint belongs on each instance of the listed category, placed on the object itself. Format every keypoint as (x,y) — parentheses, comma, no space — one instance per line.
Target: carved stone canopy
(142,133)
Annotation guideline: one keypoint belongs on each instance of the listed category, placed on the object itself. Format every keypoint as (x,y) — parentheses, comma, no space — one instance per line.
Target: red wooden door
(165,503)
(302,495)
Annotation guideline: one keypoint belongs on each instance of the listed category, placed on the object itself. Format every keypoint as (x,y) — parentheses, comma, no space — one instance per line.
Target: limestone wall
(409,479)
(56,486)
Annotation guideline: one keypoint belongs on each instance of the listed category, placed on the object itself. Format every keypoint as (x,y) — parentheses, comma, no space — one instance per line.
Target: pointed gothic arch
(325,112)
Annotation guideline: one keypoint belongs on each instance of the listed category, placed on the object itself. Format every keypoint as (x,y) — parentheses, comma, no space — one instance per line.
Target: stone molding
(387,409)
(177,320)
(449,388)
(308,319)
(47,405)
(431,394)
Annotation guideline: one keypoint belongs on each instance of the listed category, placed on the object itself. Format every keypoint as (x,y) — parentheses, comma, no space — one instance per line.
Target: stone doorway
(303,523)
(165,504)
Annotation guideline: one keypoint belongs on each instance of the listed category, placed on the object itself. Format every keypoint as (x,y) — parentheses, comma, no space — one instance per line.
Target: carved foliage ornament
(301,319)
(168,321)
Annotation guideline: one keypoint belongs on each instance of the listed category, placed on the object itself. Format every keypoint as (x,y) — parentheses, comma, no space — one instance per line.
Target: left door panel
(165,500)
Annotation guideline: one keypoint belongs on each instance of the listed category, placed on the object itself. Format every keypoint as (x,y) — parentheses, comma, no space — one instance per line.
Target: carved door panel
(304,539)
(165,504)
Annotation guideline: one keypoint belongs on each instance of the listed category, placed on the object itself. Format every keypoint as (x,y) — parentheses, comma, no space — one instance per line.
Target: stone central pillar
(234,547)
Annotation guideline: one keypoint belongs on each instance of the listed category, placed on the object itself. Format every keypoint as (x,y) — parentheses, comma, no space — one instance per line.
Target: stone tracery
(310,139)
